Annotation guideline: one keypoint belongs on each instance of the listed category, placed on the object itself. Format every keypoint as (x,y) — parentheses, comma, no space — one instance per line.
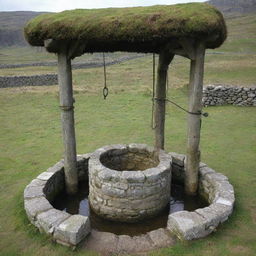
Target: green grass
(30,136)
(14,55)
(30,139)
(28,71)
(219,68)
(236,64)
(241,34)
(20,55)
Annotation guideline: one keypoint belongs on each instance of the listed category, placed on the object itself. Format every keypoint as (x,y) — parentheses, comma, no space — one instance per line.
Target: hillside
(11,27)
(12,23)
(234,7)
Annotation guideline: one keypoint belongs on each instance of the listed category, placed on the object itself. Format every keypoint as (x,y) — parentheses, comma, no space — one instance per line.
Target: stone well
(129,182)
(70,229)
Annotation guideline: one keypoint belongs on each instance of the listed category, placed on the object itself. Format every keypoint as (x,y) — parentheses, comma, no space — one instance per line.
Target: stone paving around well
(108,243)
(65,229)
(216,189)
(70,230)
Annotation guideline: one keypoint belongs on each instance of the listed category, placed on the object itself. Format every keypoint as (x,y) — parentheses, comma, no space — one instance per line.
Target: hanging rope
(153,92)
(178,106)
(105,89)
(166,99)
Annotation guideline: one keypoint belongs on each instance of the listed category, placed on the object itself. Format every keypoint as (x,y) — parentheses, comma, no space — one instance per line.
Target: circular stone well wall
(70,230)
(129,182)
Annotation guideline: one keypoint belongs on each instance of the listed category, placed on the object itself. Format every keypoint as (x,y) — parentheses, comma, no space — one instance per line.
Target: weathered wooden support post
(164,60)
(194,120)
(67,119)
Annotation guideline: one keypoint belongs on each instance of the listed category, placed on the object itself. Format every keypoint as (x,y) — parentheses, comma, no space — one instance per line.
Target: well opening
(128,160)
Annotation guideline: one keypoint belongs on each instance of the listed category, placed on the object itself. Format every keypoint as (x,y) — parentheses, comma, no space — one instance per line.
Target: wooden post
(194,121)
(160,95)
(67,119)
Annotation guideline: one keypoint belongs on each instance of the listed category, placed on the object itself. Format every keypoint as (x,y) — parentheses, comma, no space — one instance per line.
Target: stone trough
(72,229)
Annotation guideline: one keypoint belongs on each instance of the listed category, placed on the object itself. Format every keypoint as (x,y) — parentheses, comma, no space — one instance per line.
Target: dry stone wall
(223,95)
(35,80)
(76,65)
(51,79)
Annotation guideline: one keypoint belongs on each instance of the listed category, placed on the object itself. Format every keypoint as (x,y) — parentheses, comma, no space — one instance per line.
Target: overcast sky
(60,5)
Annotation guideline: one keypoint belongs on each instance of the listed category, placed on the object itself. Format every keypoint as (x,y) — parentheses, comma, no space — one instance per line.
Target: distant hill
(12,23)
(234,7)
(11,27)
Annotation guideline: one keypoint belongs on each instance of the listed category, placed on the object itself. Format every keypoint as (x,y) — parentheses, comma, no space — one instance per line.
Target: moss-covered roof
(137,29)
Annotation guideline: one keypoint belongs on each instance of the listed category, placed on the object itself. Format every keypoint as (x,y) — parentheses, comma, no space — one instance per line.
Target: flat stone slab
(33,191)
(108,244)
(45,175)
(73,230)
(37,182)
(49,220)
(220,194)
(143,243)
(102,242)
(126,244)
(187,225)
(178,159)
(35,206)
(223,211)
(161,238)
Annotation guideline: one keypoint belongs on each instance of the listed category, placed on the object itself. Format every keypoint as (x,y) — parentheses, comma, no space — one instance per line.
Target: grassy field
(30,137)
(31,142)
(233,63)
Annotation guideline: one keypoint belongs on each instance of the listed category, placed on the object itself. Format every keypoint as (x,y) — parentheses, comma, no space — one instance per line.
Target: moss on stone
(138,29)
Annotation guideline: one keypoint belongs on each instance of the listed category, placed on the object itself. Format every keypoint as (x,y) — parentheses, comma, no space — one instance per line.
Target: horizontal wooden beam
(188,47)
(180,52)
(183,47)
(52,45)
(76,49)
